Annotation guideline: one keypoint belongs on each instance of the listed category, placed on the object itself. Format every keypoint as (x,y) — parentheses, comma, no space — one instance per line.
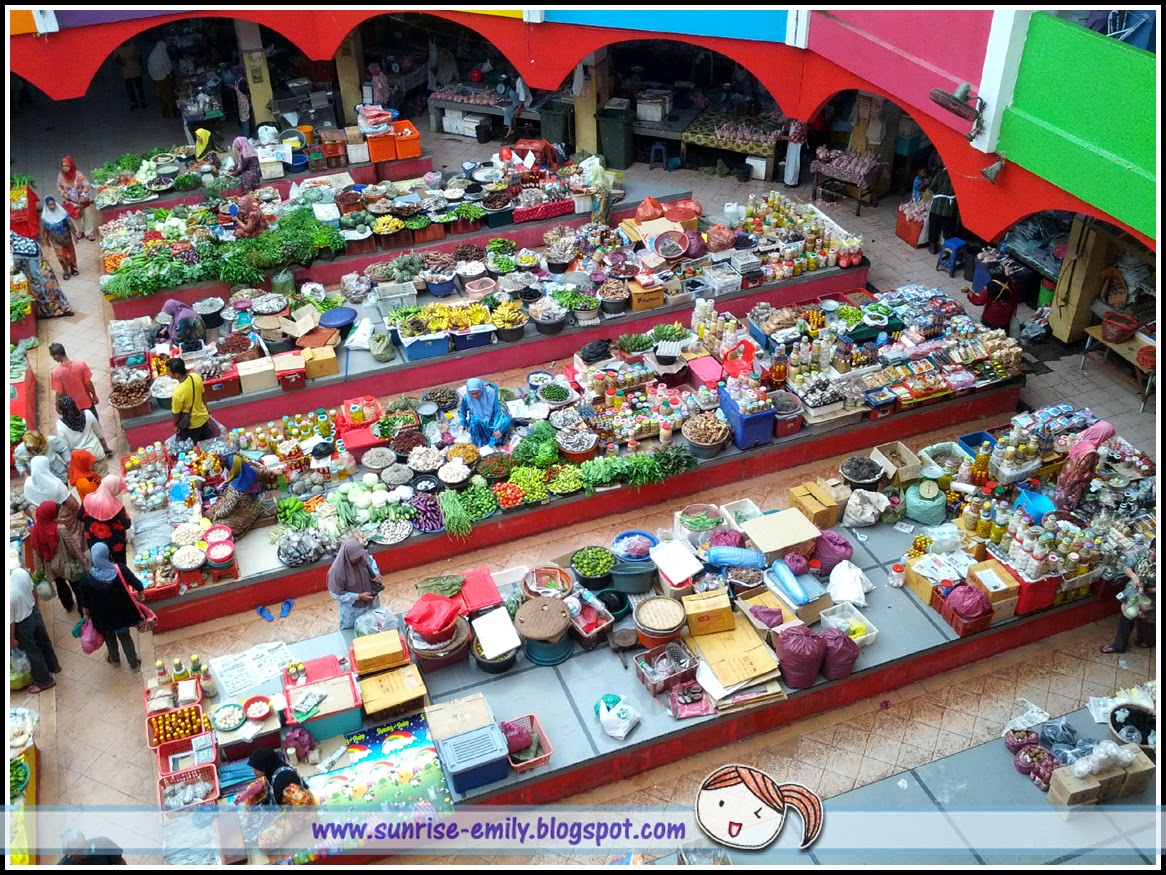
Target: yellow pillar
(597,88)
(349,69)
(255,65)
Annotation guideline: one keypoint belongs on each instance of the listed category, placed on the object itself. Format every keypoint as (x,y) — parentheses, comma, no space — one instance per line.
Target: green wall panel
(1083,117)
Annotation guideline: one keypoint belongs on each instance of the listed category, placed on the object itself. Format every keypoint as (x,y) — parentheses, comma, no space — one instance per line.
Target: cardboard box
(301,322)
(320,361)
(1139,773)
(973,545)
(763,595)
(816,504)
(288,361)
(1004,610)
(921,583)
(393,693)
(994,579)
(269,323)
(353,136)
(900,475)
(808,613)
(735,656)
(645,299)
(457,716)
(1065,789)
(783,532)
(379,652)
(257,375)
(1111,779)
(708,612)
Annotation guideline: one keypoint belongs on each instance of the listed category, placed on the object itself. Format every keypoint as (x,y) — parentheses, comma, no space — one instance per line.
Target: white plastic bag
(45,591)
(944,538)
(361,335)
(849,584)
(268,135)
(864,508)
(594,174)
(376,620)
(618,721)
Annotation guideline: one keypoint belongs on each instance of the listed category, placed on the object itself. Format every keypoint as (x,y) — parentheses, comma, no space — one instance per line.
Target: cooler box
(475,758)
(706,370)
(749,430)
(339,714)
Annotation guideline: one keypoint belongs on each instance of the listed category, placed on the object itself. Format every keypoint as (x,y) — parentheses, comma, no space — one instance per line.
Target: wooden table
(1128,350)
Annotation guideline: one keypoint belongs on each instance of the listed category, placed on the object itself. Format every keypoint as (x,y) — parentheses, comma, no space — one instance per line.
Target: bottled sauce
(206,680)
(179,672)
(971,517)
(1000,526)
(949,471)
(964,475)
(161,673)
(195,666)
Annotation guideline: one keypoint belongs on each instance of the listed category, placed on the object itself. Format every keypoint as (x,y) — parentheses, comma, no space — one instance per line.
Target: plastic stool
(951,256)
(659,153)
(231,572)
(191,579)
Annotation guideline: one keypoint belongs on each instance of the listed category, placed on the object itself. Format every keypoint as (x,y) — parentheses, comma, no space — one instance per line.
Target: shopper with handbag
(108,596)
(58,546)
(77,197)
(27,632)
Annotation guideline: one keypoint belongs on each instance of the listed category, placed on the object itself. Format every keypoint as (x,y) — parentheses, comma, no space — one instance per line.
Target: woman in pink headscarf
(1081,465)
(105,518)
(246,164)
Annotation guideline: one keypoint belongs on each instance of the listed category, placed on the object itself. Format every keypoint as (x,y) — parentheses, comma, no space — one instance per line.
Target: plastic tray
(154,743)
(839,617)
(531,723)
(208,773)
(168,748)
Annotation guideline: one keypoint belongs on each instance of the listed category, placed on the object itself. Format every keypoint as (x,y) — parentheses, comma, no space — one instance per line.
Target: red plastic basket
(158,592)
(208,773)
(344,416)
(168,748)
(153,742)
(655,688)
(320,669)
(531,723)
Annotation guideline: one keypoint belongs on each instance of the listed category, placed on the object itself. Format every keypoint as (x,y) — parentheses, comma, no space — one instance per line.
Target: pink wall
(904,53)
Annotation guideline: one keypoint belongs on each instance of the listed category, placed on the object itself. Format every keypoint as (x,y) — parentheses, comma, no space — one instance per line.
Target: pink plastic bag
(91,639)
(841,654)
(797,563)
(727,538)
(831,549)
(801,653)
(969,602)
(517,735)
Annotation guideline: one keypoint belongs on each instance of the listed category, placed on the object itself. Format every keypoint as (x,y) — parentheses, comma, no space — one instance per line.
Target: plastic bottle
(179,672)
(984,525)
(971,517)
(195,666)
(1000,526)
(161,673)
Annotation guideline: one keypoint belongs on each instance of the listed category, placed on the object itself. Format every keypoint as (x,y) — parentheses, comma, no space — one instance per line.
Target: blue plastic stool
(952,255)
(659,153)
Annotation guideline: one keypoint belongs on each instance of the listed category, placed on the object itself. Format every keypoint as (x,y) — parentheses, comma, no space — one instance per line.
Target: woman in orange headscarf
(81,474)
(77,196)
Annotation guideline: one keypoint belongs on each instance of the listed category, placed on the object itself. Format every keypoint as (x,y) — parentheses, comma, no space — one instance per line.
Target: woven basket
(1118,327)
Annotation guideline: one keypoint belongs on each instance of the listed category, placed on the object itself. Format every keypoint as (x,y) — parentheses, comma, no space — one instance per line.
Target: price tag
(905,528)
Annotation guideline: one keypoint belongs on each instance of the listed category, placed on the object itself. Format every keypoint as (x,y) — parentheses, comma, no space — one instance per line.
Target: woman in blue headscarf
(483,414)
(239,507)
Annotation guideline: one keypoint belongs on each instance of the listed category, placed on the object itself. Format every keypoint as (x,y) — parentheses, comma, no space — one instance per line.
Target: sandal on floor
(1108,648)
(112,661)
(264,613)
(36,689)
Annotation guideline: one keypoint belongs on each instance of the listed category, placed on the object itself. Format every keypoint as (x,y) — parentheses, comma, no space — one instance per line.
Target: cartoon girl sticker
(742,807)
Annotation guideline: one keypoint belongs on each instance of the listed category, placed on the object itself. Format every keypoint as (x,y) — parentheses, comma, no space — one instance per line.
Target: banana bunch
(508,315)
(387,225)
(447,317)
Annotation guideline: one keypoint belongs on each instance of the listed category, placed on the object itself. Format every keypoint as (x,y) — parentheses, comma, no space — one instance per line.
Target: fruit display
(175,725)
(387,225)
(508,315)
(554,393)
(672,332)
(509,494)
(129,394)
(593,561)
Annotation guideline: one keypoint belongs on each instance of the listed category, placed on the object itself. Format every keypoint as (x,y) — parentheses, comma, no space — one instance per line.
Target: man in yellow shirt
(191,417)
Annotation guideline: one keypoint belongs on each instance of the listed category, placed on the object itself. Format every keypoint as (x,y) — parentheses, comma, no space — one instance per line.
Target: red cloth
(29,224)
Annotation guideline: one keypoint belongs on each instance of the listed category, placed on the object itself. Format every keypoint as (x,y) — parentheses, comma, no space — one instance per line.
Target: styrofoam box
(727,511)
(452,125)
(470,124)
(271,170)
(358,153)
(757,166)
(455,115)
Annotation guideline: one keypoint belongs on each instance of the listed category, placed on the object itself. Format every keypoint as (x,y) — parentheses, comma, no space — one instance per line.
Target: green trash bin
(558,122)
(615,137)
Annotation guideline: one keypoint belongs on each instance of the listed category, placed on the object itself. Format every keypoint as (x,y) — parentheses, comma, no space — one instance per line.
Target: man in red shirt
(73,379)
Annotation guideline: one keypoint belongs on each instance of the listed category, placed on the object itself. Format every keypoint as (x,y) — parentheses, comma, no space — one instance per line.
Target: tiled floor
(91,723)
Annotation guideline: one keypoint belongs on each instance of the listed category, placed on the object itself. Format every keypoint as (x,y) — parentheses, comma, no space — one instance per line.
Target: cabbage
(362,516)
(380,499)
(333,498)
(362,500)
(371,480)
(345,488)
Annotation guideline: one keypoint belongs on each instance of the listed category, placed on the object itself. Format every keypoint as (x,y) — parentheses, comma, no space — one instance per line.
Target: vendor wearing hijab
(246,164)
(35,444)
(185,327)
(58,549)
(82,477)
(276,783)
(105,601)
(239,507)
(483,414)
(249,219)
(353,581)
(1081,466)
(61,233)
(206,148)
(105,520)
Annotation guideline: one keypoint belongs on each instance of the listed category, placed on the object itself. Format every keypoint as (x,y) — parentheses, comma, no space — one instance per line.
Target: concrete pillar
(350,73)
(597,88)
(255,65)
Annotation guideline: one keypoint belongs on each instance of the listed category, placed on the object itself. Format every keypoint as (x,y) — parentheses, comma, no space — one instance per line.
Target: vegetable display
(674,459)
(705,429)
(602,471)
(538,448)
(428,512)
(457,520)
(633,343)
(568,480)
(700,522)
(508,494)
(532,481)
(642,470)
(16,428)
(675,331)
(496,466)
(479,499)
(292,514)
(555,393)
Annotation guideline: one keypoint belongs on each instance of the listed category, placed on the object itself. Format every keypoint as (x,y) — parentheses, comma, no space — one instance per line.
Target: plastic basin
(340,318)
